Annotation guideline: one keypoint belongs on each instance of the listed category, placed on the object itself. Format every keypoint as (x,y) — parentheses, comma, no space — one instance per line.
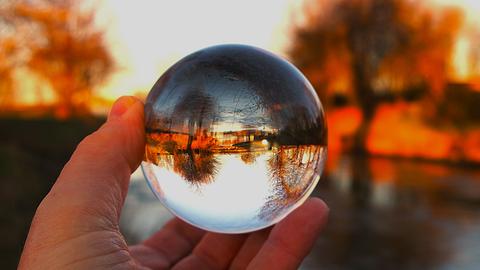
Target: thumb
(78,219)
(90,191)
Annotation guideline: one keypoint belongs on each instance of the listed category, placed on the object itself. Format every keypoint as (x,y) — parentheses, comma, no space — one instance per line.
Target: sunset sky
(146,37)
(149,36)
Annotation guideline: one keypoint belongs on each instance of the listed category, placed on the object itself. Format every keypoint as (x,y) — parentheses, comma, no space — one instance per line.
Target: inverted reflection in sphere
(236,138)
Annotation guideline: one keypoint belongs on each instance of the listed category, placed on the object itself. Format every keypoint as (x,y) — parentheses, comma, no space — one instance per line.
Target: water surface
(384,214)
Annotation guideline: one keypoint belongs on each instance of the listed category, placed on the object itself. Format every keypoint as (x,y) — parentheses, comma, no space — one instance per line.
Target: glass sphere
(236,139)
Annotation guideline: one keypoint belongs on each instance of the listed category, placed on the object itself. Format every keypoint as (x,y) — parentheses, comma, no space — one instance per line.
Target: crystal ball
(235,139)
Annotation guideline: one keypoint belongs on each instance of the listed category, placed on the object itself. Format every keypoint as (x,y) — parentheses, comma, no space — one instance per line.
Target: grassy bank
(32,154)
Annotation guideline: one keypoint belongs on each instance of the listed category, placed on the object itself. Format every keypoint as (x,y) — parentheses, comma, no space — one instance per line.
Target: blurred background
(399,79)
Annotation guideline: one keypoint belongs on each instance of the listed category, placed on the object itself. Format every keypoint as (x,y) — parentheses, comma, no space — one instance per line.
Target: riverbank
(32,154)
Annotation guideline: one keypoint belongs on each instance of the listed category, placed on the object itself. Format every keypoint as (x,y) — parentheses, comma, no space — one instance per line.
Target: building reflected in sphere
(236,138)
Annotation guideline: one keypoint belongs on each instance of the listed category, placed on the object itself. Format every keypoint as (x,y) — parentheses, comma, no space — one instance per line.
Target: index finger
(165,248)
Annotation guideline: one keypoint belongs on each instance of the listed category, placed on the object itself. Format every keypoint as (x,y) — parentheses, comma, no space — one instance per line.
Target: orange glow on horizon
(398,131)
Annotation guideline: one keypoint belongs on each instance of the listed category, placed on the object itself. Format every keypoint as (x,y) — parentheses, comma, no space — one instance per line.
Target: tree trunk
(367,102)
(65,107)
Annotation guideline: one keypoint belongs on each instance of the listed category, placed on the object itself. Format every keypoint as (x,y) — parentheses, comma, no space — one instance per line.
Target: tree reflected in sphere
(236,138)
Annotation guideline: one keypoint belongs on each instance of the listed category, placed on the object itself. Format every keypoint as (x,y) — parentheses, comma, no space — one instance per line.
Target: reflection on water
(384,214)
(398,214)
(234,191)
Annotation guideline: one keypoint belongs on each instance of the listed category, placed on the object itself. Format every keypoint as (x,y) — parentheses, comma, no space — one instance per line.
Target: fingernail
(121,106)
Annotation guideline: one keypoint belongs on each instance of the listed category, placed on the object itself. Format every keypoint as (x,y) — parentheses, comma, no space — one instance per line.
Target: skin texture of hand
(76,224)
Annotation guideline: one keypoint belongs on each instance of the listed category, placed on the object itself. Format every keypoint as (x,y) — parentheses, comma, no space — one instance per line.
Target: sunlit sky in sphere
(147,37)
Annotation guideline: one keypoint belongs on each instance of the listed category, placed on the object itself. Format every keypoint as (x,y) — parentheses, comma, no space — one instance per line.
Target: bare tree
(368,46)
(64,46)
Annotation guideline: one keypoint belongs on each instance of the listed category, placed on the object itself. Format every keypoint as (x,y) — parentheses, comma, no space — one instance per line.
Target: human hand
(76,224)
